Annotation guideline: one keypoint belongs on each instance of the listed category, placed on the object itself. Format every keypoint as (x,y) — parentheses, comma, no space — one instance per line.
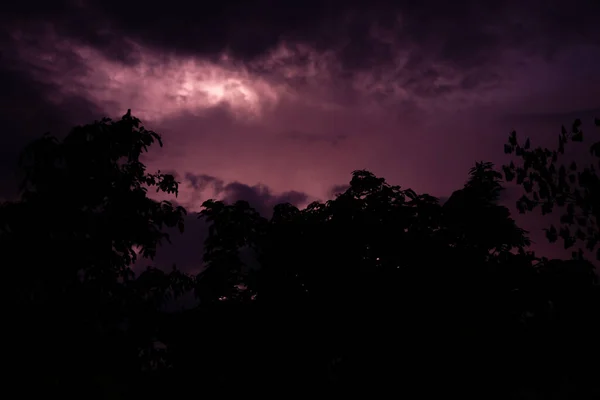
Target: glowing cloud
(156,86)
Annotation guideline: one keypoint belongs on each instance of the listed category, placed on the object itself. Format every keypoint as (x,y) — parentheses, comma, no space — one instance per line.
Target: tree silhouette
(378,289)
(472,212)
(565,296)
(549,182)
(373,252)
(73,236)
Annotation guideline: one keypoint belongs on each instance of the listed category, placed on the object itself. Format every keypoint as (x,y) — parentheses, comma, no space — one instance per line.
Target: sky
(277,101)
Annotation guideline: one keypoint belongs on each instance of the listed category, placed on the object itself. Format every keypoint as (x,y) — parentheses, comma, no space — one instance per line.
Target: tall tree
(72,238)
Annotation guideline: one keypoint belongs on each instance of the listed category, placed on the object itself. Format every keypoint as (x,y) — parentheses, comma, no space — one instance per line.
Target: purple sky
(279,101)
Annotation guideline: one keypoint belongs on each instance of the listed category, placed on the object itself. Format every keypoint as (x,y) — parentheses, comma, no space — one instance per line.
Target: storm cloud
(280,101)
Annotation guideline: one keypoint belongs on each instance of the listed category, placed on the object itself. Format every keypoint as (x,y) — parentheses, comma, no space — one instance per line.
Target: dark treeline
(379,292)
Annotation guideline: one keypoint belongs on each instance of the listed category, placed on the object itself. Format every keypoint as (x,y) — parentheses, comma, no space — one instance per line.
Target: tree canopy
(378,289)
(71,240)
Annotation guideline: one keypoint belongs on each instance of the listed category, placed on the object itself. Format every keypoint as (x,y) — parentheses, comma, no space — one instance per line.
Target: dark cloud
(462,32)
(27,112)
(202,182)
(475,78)
(388,74)
(260,197)
(555,119)
(430,49)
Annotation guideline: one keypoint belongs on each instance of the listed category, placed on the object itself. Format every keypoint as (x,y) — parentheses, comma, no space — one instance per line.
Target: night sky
(276,101)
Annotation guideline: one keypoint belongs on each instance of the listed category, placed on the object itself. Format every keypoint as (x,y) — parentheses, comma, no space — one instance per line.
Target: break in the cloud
(294,97)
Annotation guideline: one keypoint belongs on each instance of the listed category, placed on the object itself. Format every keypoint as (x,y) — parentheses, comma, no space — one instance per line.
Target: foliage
(549,181)
(401,264)
(379,287)
(232,228)
(476,218)
(73,237)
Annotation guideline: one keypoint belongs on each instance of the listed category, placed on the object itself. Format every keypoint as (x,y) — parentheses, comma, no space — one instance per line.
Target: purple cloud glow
(292,100)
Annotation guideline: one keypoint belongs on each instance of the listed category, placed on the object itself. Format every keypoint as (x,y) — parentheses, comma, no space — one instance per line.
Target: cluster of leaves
(548,181)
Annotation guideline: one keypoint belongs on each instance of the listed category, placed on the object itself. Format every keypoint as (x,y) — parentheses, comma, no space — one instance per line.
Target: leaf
(543,192)
(595,149)
(572,178)
(547,207)
(410,194)
(512,138)
(562,171)
(568,242)
(527,144)
(551,234)
(508,173)
(566,219)
(577,136)
(520,176)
